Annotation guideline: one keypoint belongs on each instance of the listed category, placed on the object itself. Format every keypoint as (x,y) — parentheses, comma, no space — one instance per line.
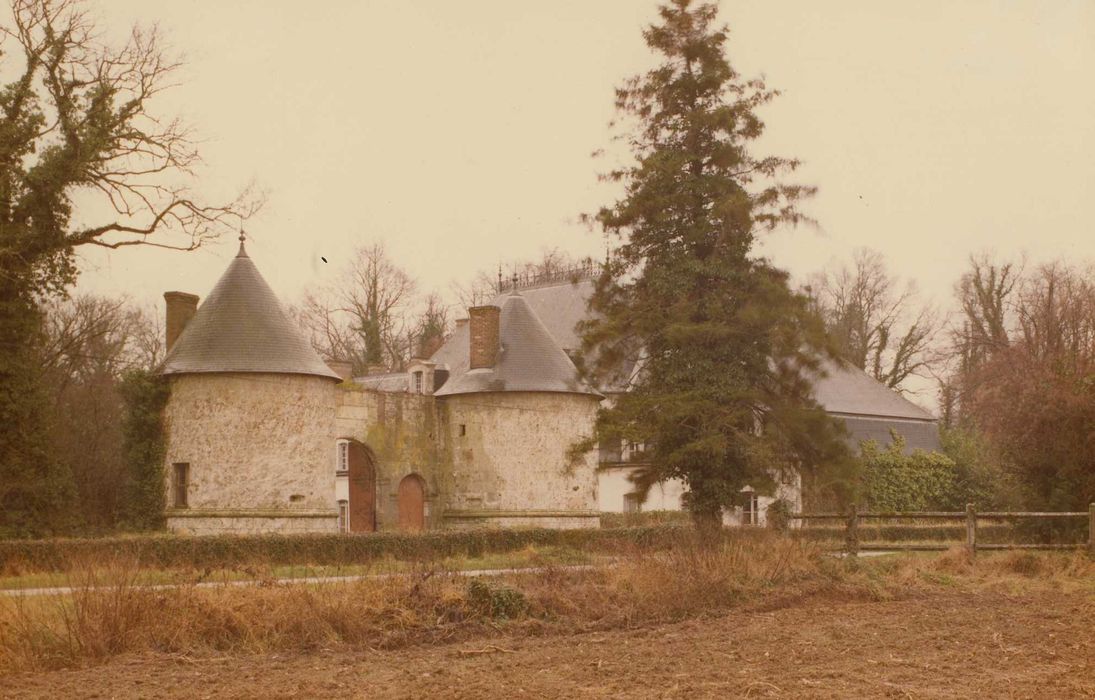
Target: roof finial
(243,237)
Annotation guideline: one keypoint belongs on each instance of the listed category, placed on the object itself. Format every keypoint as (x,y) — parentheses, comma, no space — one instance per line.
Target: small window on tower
(182,484)
(418,382)
(463,430)
(342,463)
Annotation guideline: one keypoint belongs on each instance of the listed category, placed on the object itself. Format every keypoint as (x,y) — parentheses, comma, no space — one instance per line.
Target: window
(418,382)
(749,511)
(463,430)
(343,516)
(342,461)
(633,503)
(182,484)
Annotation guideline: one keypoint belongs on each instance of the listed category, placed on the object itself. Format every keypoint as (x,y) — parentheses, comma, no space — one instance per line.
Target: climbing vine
(145,396)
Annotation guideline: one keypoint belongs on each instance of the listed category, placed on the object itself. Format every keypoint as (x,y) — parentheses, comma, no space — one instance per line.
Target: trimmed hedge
(226,551)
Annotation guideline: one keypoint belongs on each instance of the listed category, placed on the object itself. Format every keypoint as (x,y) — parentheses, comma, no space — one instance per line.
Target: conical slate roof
(241,327)
(530,359)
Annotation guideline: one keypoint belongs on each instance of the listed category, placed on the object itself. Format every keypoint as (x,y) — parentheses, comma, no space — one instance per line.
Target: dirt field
(949,645)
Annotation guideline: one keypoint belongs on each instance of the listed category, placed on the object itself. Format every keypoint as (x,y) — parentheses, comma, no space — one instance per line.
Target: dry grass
(108,614)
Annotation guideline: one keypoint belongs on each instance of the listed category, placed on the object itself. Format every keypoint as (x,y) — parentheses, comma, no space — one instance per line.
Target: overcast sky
(460,133)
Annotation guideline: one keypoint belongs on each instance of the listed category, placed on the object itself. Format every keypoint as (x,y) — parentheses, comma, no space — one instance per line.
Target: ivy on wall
(145,396)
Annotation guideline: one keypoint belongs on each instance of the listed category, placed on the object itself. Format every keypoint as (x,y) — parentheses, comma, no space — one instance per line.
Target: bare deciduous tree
(878,326)
(77,121)
(985,294)
(363,316)
(88,342)
(1032,395)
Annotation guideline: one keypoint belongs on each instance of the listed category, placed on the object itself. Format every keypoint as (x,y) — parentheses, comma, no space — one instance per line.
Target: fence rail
(852,545)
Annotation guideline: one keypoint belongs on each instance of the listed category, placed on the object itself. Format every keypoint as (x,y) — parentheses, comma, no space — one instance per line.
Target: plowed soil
(948,645)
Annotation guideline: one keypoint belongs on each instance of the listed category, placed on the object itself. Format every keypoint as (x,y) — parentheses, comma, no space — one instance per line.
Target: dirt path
(955,645)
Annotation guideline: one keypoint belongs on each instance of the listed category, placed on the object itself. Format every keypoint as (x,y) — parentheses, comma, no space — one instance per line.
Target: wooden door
(362,478)
(412,503)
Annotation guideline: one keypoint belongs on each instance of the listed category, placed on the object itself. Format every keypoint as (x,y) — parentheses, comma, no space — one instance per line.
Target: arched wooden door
(412,503)
(362,482)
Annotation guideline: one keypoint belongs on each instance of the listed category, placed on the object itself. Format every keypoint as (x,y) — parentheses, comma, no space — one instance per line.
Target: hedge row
(646,518)
(996,533)
(225,551)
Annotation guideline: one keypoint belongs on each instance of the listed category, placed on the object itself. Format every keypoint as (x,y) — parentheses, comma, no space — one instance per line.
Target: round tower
(514,406)
(249,422)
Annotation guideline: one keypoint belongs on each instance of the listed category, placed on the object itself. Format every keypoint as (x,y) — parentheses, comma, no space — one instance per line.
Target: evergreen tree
(714,348)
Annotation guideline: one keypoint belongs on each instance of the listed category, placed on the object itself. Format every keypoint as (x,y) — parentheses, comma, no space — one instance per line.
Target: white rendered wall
(613,483)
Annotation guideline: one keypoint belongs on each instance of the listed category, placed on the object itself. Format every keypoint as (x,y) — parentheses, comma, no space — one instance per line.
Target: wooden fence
(852,545)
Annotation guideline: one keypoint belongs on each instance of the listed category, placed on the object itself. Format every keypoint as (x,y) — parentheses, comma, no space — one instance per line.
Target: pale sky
(460,133)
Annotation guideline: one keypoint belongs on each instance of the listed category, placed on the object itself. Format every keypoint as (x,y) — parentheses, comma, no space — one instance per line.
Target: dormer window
(342,457)
(420,377)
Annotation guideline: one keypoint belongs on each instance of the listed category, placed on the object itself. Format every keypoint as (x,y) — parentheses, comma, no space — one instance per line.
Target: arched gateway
(362,488)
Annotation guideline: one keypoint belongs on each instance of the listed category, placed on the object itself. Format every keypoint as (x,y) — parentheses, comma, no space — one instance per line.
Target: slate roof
(241,327)
(393,382)
(529,360)
(560,307)
(845,390)
(918,434)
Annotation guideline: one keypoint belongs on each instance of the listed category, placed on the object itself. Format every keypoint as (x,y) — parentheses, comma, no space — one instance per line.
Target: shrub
(895,481)
(496,600)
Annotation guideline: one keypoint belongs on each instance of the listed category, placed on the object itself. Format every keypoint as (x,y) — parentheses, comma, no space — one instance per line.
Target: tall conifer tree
(714,347)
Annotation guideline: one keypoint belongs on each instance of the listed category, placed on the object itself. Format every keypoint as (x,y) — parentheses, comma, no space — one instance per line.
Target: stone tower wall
(509,461)
(260,452)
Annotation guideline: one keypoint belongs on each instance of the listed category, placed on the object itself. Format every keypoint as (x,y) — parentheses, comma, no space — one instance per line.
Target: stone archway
(412,503)
(362,488)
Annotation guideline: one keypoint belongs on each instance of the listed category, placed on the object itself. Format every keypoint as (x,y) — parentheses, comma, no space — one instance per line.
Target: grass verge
(110,613)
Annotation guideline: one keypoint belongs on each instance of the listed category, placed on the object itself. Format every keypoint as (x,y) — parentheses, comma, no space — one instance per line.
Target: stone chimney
(180,309)
(484,336)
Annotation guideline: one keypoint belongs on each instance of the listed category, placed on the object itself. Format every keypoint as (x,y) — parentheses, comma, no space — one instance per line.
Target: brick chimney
(484,336)
(180,309)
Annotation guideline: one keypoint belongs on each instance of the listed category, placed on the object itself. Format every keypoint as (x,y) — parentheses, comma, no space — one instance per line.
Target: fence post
(1091,529)
(852,539)
(971,529)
